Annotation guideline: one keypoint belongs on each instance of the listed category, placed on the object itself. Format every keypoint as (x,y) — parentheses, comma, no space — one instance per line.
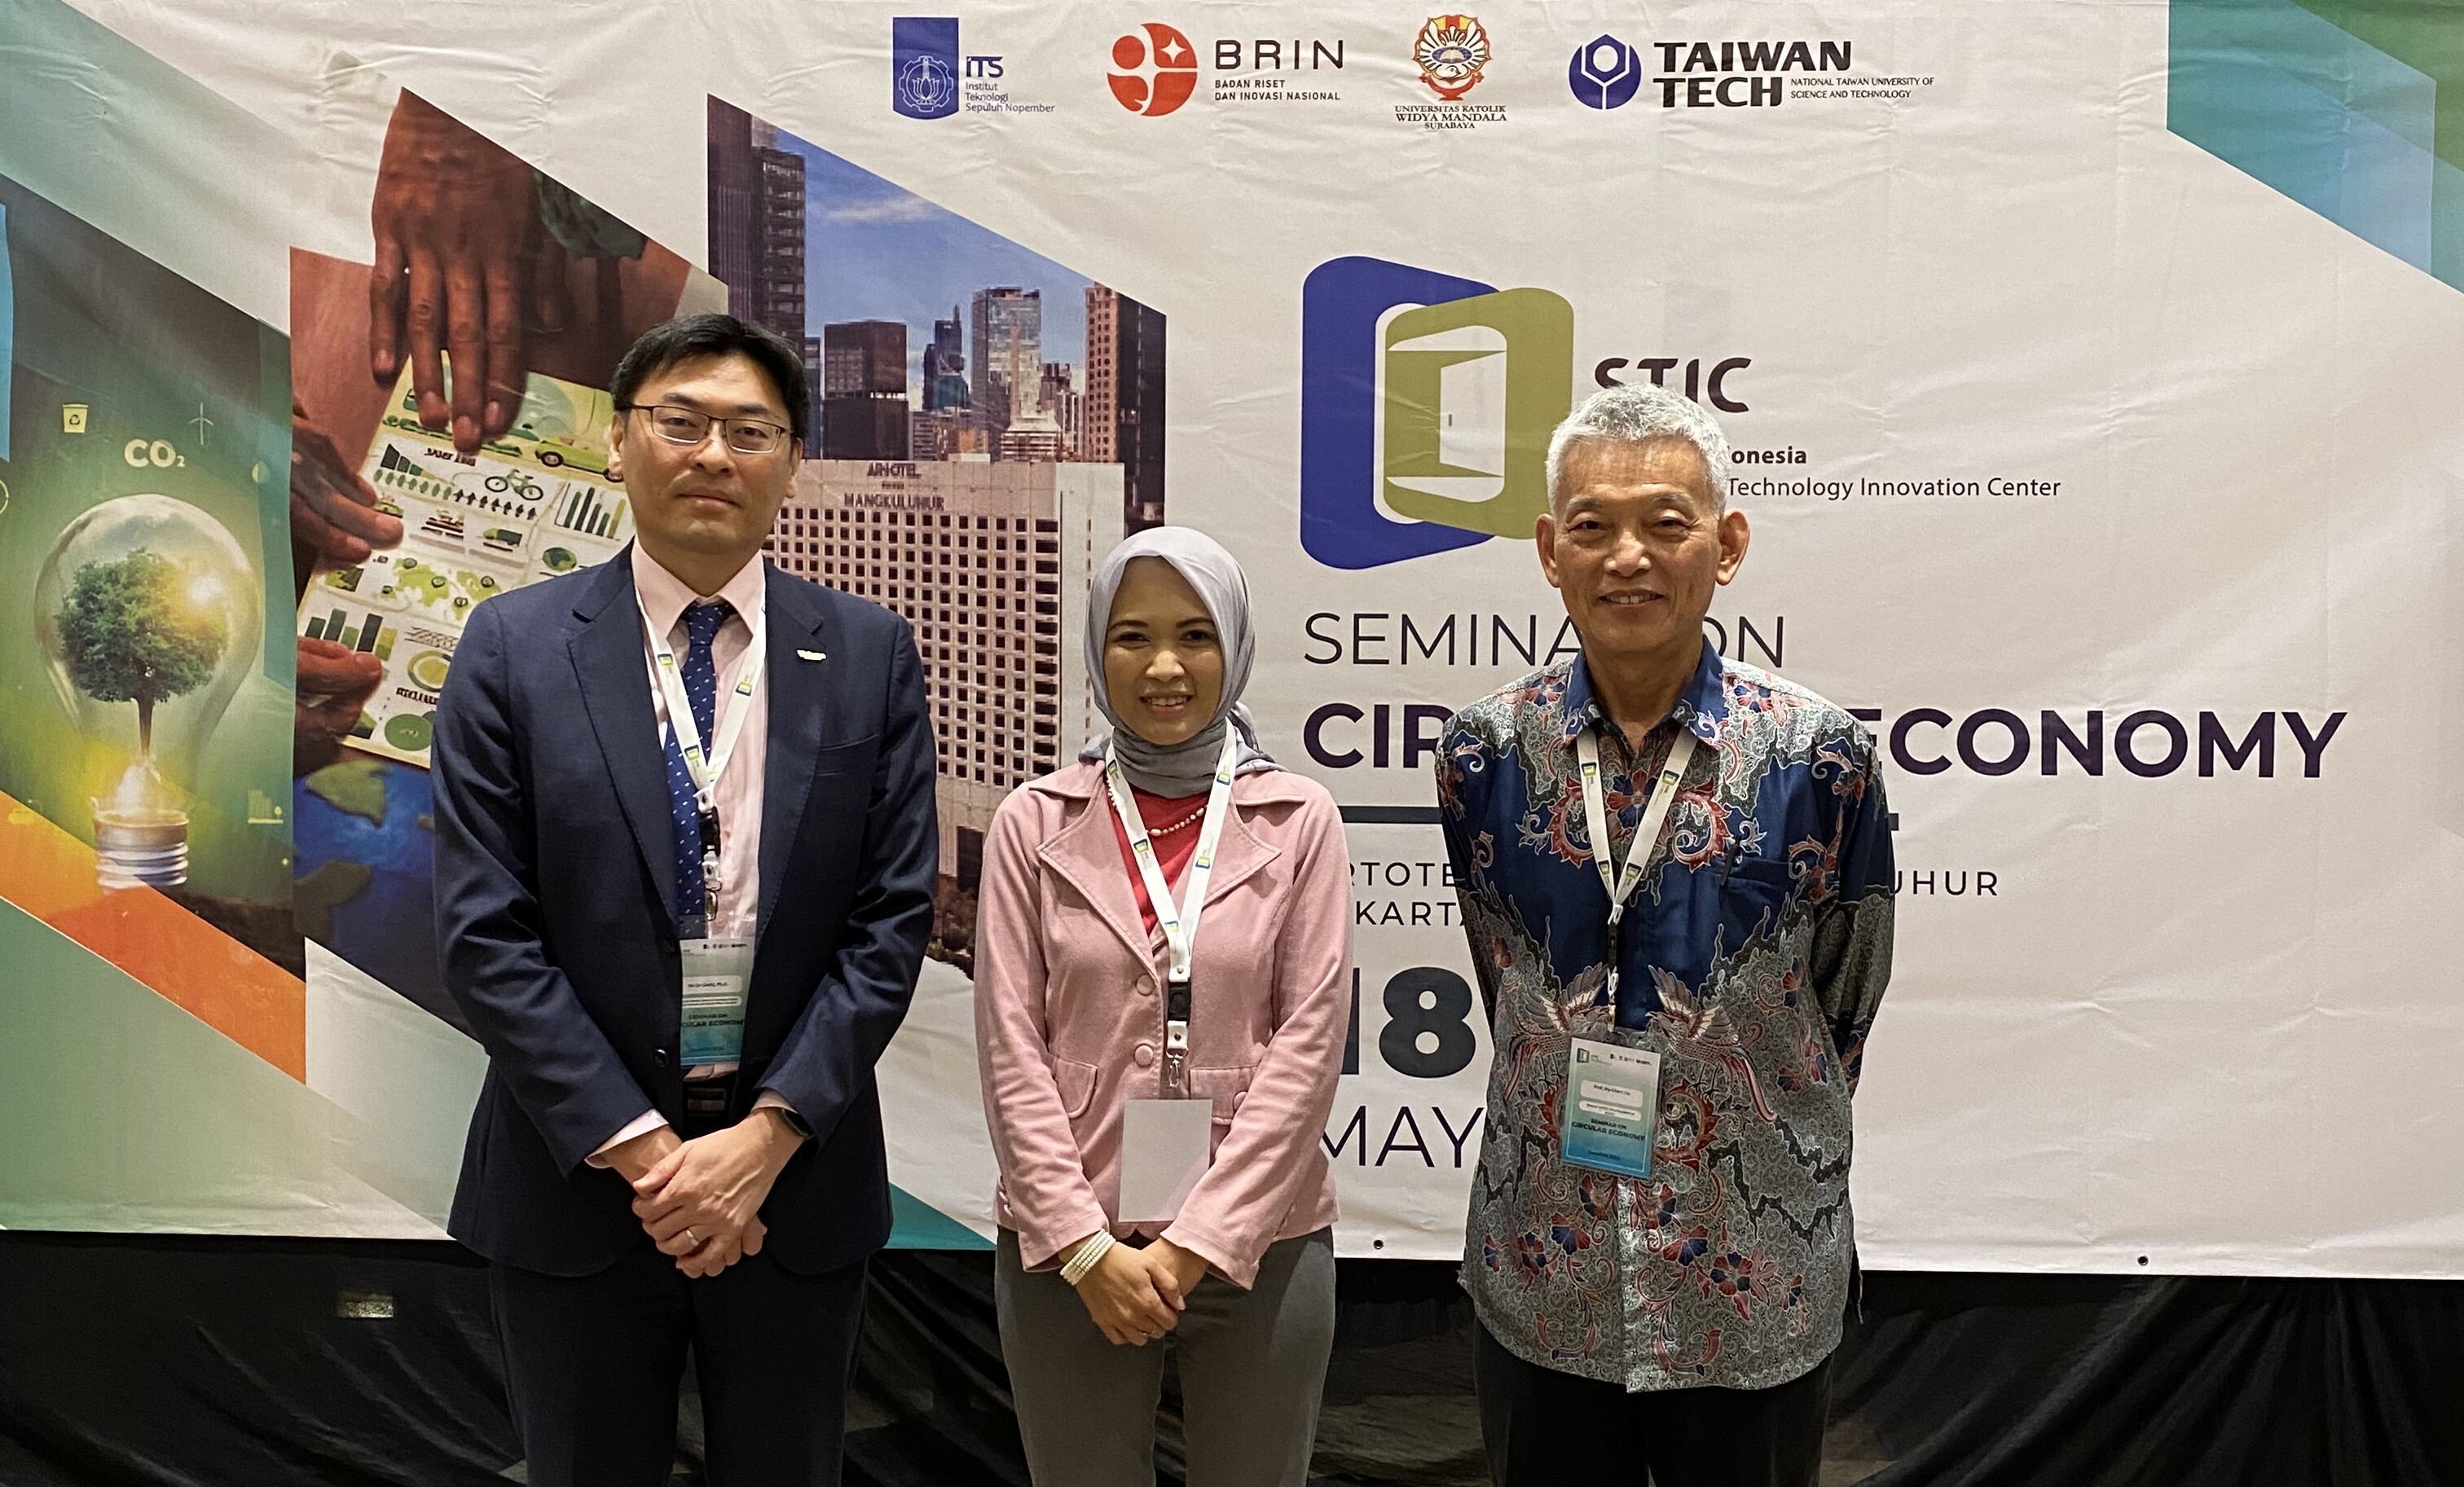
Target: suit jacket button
(659,1056)
(1144,1053)
(1146,986)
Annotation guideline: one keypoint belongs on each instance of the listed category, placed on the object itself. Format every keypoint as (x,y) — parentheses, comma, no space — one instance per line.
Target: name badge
(1610,1108)
(716,974)
(1166,1146)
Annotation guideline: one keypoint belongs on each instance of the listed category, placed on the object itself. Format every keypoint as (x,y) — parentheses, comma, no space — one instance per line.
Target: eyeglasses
(688,426)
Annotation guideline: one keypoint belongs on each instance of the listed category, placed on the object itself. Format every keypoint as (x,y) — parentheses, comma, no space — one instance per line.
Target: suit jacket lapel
(1237,856)
(802,694)
(615,683)
(1085,855)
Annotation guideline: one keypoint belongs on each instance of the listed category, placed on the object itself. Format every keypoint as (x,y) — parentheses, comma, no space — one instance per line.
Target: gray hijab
(1186,768)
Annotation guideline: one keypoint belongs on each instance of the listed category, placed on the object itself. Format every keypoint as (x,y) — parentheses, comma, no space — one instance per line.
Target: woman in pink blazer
(1162,1174)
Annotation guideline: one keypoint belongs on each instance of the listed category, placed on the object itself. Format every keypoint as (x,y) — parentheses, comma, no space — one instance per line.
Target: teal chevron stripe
(2333,122)
(917,1225)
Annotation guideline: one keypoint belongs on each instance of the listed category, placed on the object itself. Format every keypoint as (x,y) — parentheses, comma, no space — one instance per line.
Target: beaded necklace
(1189,820)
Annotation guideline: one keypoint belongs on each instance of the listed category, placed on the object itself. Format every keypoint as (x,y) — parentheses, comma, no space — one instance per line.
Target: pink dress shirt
(665,597)
(1069,1025)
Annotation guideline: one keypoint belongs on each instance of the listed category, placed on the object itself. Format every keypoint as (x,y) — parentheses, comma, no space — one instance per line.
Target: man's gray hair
(1632,414)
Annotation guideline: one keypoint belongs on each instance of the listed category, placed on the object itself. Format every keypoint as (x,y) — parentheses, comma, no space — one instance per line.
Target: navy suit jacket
(555,921)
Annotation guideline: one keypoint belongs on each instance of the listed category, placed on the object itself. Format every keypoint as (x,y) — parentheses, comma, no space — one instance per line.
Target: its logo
(1155,70)
(1426,406)
(1604,73)
(924,65)
(1451,51)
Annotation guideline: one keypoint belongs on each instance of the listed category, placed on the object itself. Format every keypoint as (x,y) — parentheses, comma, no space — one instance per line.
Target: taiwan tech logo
(924,65)
(1604,73)
(1426,406)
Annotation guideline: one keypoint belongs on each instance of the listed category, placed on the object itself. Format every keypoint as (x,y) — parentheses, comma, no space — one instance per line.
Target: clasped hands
(700,1200)
(1137,1295)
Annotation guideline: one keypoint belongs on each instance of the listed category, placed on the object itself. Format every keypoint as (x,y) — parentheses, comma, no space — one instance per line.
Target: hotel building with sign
(990,563)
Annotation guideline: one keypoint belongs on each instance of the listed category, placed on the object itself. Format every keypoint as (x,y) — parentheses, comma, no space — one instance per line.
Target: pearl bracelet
(1088,1254)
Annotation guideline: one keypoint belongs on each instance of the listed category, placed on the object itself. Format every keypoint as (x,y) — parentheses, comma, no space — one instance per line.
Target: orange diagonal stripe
(248,998)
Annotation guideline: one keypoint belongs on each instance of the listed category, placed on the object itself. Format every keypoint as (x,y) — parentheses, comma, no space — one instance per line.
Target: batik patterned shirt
(1755,951)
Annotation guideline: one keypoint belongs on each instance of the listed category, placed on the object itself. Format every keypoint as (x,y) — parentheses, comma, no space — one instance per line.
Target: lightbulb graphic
(151,619)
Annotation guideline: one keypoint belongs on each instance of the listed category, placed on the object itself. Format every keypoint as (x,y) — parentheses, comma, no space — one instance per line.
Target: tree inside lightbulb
(148,613)
(141,629)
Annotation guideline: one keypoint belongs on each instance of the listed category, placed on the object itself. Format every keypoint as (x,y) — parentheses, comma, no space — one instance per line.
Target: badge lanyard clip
(1620,884)
(1179,922)
(705,768)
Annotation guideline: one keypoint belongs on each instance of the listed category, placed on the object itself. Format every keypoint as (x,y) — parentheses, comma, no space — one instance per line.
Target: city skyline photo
(876,251)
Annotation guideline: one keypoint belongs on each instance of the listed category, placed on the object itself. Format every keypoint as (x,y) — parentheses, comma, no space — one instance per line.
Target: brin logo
(1604,72)
(1154,69)
(1426,406)
(1451,51)
(924,65)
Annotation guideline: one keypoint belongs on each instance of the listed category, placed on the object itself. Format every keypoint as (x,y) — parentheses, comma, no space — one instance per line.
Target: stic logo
(1604,73)
(924,65)
(1426,406)
(1157,70)
(1451,51)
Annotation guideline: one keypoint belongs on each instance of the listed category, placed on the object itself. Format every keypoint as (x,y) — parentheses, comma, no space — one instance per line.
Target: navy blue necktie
(701,689)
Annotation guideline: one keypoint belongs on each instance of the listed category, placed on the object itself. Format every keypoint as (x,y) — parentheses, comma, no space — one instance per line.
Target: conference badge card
(1611,1104)
(1166,1146)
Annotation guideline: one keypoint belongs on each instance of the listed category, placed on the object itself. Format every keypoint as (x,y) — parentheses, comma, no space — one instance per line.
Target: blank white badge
(1165,1148)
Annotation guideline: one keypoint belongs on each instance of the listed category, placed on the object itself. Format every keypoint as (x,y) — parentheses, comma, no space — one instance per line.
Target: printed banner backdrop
(2089,371)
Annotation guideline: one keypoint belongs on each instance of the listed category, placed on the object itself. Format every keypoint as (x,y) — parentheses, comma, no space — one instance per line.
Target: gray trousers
(1252,1370)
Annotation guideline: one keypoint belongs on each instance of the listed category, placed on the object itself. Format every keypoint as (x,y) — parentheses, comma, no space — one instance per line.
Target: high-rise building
(813,387)
(945,365)
(730,203)
(990,564)
(757,221)
(933,434)
(1008,333)
(1062,397)
(1034,436)
(778,261)
(1124,417)
(864,356)
(865,425)
(1102,444)
(863,384)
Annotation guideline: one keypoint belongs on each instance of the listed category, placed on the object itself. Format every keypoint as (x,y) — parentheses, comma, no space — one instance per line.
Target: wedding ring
(691,1242)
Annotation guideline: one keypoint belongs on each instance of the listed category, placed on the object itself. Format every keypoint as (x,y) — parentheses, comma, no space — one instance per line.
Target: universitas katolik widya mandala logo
(1451,51)
(1154,69)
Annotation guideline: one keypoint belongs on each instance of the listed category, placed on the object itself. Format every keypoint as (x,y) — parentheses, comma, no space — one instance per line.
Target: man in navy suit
(685,852)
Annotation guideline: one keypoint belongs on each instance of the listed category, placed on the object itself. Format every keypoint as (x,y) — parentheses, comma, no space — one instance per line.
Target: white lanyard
(733,710)
(1647,832)
(1179,922)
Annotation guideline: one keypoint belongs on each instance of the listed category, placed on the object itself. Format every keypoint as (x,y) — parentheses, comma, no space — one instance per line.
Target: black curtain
(138,1360)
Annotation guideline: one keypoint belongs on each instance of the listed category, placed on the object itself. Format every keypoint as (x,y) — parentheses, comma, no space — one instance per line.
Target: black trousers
(593,1363)
(1546,1429)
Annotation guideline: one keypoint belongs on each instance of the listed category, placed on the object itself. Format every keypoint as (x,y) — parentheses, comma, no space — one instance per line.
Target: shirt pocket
(1077,1083)
(1753,896)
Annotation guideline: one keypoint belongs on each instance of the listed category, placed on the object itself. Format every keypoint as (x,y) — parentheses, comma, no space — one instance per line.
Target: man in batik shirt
(1676,1322)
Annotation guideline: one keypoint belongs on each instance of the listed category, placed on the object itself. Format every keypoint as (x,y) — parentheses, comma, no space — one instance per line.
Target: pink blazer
(1069,1025)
